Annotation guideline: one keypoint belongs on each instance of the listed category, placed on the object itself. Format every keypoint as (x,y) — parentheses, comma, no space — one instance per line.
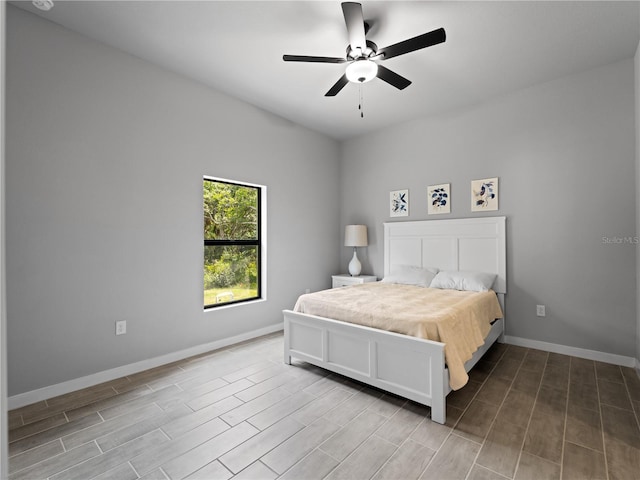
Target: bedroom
(92,129)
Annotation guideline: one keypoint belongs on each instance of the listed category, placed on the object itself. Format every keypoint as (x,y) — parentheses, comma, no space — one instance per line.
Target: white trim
(51,391)
(573,351)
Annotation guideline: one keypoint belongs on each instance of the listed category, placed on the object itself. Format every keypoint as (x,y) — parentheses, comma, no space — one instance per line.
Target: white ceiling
(236,47)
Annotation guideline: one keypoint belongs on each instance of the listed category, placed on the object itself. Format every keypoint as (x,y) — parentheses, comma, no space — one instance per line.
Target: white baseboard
(573,351)
(51,391)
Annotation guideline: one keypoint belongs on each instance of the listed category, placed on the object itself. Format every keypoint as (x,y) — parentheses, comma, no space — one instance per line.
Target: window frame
(259,242)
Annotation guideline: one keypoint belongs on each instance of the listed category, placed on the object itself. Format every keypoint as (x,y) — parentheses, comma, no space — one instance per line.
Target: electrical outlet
(540,311)
(307,290)
(121,327)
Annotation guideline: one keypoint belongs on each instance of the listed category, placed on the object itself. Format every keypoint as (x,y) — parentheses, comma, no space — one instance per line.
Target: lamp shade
(355,236)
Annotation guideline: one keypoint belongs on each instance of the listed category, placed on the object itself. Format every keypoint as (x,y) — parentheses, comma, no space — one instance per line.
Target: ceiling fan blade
(339,85)
(413,44)
(354,19)
(306,58)
(392,78)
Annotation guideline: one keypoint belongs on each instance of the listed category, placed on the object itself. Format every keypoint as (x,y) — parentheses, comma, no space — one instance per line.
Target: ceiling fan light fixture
(362,70)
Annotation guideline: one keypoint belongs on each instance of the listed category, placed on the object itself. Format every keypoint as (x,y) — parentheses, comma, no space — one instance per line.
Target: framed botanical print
(439,199)
(484,195)
(399,203)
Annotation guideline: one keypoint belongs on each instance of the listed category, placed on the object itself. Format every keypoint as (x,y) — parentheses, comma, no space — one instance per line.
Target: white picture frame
(439,199)
(484,195)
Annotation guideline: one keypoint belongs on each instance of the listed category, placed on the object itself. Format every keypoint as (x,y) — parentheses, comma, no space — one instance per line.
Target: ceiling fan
(363,54)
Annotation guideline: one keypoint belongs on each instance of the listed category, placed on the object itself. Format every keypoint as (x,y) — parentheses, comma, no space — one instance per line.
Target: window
(232,242)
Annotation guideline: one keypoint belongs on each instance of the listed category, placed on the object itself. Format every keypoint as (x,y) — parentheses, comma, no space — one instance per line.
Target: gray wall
(105,158)
(637,86)
(564,152)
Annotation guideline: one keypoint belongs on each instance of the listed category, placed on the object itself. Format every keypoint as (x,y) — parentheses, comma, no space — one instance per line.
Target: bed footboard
(410,367)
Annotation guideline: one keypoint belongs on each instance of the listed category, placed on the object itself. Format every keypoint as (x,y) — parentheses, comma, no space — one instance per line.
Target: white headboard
(465,244)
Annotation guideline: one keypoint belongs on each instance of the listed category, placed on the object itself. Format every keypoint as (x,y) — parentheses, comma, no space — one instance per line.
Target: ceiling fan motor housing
(368,52)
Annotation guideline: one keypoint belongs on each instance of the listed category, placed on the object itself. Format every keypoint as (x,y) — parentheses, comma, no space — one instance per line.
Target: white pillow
(411,275)
(471,281)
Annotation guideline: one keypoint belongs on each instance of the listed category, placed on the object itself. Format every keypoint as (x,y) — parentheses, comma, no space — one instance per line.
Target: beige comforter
(461,320)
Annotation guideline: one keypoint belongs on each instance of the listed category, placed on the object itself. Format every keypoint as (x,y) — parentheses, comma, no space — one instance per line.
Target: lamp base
(355,267)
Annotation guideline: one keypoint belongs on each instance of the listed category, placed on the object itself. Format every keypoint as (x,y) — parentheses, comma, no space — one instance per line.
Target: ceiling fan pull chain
(360,107)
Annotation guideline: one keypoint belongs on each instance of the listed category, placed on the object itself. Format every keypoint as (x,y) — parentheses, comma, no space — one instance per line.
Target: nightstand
(343,280)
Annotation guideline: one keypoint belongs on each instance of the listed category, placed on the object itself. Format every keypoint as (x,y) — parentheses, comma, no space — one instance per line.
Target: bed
(402,364)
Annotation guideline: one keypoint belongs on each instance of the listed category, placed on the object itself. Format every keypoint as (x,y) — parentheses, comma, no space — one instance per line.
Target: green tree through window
(232,242)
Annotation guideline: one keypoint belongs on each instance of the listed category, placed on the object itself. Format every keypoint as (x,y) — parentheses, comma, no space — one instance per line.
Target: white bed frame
(411,367)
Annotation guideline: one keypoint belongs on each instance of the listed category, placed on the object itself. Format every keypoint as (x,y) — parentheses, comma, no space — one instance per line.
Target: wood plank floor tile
(501,450)
(584,395)
(57,464)
(188,422)
(318,407)
(255,471)
(544,436)
(139,428)
(476,421)
(623,460)
(35,455)
(580,463)
(347,439)
(273,414)
(582,371)
(109,460)
(453,461)
(532,467)
(495,352)
(527,381)
(620,425)
(584,428)
(245,454)
(354,406)
(110,426)
(570,416)
(559,360)
(264,387)
(387,405)
(611,373)
(155,457)
(51,434)
(219,394)
(614,394)
(407,463)
(480,473)
(633,382)
(402,424)
(255,406)
(314,466)
(516,352)
(551,401)
(517,408)
(494,390)
(556,377)
(205,453)
(156,474)
(462,398)
(535,360)
(481,371)
(116,410)
(506,368)
(298,446)
(108,402)
(40,426)
(212,471)
(121,472)
(365,461)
